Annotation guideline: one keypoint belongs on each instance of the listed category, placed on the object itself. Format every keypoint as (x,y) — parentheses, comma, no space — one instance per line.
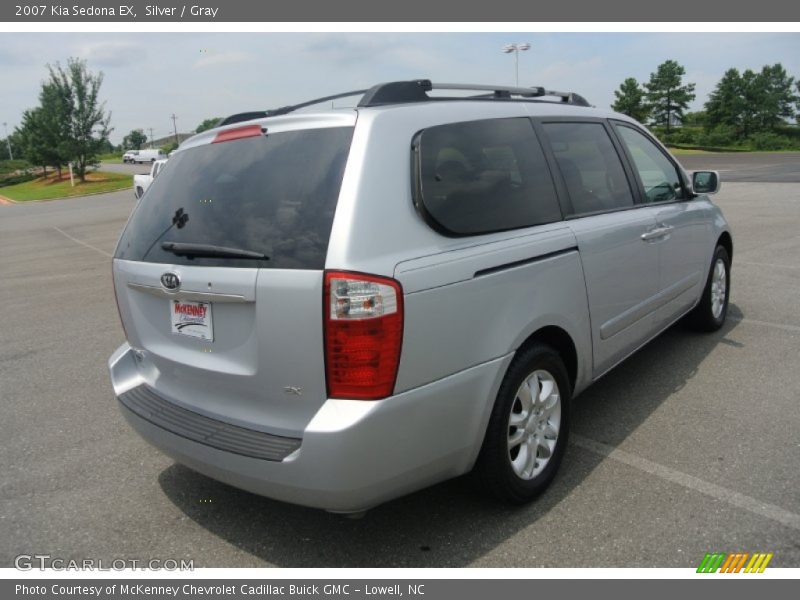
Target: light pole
(8,142)
(516,48)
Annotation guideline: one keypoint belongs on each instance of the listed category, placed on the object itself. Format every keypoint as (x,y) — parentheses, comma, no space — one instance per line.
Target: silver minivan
(336,308)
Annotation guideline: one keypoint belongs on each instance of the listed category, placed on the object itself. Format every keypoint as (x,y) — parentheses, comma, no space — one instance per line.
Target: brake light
(363,334)
(237,133)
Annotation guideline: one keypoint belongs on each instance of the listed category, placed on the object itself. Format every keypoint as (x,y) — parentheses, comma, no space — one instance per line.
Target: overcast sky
(148,76)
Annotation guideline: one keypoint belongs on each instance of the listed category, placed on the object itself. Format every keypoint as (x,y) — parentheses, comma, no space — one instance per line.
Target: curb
(9,201)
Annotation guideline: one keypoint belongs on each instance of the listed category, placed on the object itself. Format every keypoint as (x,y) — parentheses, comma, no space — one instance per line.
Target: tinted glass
(273,194)
(485,176)
(590,166)
(659,176)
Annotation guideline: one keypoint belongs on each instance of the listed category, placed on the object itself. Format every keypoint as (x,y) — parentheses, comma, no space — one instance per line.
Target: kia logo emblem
(171,281)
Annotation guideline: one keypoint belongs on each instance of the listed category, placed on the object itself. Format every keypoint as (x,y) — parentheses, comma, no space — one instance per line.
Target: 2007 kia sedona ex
(336,308)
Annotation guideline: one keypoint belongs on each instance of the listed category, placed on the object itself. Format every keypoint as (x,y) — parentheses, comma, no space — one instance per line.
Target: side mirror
(705,182)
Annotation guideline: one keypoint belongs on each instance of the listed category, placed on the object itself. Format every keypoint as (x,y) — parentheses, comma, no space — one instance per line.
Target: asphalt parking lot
(691,446)
(125,168)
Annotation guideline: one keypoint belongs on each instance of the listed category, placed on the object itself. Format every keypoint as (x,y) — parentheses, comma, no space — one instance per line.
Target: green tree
(725,105)
(108,148)
(752,102)
(14,141)
(54,125)
(752,97)
(29,132)
(777,99)
(695,118)
(135,139)
(797,101)
(630,100)
(88,121)
(207,124)
(667,95)
(44,131)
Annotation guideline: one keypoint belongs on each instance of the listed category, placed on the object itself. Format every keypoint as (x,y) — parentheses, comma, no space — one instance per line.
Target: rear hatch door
(218,273)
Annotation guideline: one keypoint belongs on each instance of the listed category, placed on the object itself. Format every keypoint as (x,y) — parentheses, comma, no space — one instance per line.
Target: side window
(658,175)
(590,166)
(484,176)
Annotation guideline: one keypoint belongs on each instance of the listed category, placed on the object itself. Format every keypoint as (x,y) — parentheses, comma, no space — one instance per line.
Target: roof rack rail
(402,92)
(398,92)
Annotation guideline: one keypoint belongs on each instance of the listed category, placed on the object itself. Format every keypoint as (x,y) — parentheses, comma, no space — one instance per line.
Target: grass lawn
(51,187)
(678,151)
(111,158)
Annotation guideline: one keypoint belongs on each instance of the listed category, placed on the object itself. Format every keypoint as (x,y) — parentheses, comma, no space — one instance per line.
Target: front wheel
(711,311)
(528,429)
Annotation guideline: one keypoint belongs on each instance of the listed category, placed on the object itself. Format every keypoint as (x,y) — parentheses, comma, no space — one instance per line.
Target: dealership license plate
(192,319)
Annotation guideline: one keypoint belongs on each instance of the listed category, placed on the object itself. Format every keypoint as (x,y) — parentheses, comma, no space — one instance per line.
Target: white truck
(143,181)
(143,156)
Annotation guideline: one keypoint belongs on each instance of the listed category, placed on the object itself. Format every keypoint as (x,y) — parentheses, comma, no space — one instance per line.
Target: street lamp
(516,48)
(8,141)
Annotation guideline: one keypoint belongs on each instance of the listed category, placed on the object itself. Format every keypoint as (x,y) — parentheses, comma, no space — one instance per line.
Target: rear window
(273,194)
(484,176)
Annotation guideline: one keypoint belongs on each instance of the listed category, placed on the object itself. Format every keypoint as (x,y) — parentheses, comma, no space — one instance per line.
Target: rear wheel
(527,432)
(710,313)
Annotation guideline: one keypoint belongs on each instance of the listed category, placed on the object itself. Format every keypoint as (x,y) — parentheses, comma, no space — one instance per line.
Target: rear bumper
(353,454)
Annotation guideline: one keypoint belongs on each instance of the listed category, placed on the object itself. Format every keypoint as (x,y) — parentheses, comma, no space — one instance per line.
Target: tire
(711,311)
(506,466)
(138,192)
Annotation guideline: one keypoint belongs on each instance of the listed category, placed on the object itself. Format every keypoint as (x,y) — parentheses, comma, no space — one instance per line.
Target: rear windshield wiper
(210,251)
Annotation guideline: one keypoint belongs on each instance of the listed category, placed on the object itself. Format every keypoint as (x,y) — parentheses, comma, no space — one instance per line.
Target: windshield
(273,194)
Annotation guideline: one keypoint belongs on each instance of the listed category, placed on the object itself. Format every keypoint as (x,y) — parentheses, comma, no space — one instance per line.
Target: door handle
(656,233)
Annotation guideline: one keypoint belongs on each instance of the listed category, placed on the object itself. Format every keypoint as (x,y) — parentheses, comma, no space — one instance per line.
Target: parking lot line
(723,494)
(82,243)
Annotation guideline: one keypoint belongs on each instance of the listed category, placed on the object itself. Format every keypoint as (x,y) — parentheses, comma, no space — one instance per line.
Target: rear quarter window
(590,166)
(274,194)
(483,176)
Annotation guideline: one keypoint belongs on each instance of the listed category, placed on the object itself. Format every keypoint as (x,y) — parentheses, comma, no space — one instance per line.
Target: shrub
(14,179)
(790,131)
(9,166)
(772,141)
(169,148)
(719,136)
(688,136)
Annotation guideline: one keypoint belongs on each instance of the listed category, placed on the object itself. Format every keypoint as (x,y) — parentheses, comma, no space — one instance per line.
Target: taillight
(363,334)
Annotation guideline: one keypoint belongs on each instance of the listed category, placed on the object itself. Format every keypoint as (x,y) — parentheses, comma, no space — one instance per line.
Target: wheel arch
(561,341)
(726,241)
